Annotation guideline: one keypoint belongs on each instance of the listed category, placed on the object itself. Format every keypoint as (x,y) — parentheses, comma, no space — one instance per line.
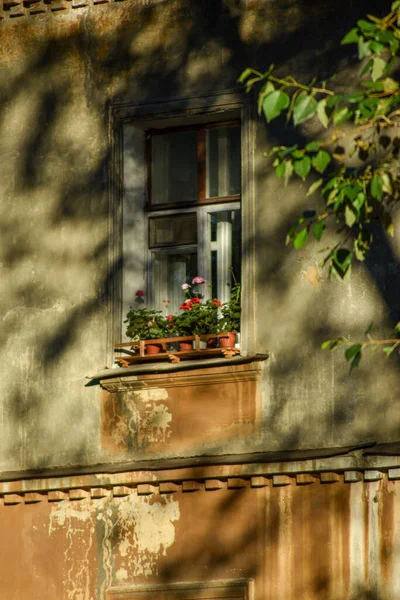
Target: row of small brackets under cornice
(208,485)
(20,8)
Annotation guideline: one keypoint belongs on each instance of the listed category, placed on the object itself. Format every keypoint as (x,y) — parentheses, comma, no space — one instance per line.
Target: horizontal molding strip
(194,479)
(11,9)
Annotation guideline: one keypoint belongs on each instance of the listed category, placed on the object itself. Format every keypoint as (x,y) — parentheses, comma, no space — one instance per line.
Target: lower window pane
(225,235)
(170,270)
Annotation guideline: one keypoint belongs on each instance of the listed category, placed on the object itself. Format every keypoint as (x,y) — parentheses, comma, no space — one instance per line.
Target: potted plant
(230,318)
(145,324)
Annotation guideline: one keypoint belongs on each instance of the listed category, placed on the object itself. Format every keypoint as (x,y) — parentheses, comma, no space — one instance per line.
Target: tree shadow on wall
(56,222)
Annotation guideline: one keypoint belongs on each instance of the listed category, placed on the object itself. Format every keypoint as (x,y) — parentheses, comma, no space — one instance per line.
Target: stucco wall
(320,535)
(62,64)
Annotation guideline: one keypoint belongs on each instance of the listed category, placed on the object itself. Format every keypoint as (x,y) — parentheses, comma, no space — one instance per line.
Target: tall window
(193,209)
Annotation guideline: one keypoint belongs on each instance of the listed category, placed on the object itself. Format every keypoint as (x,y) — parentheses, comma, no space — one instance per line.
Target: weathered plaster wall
(182,414)
(297,537)
(62,63)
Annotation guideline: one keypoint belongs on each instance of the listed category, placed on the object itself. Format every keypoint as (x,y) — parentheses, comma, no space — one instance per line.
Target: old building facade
(269,474)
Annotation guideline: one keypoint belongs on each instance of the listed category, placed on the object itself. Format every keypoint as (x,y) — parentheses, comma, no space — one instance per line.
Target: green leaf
(378,68)
(274,103)
(363,48)
(397,326)
(286,151)
(334,100)
(245,74)
(318,229)
(352,351)
(302,167)
(288,171)
(390,85)
(352,191)
(389,349)
(356,361)
(376,187)
(297,154)
(314,186)
(366,26)
(304,108)
(265,90)
(362,244)
(367,68)
(280,170)
(386,37)
(351,37)
(321,113)
(359,201)
(331,344)
(341,262)
(341,115)
(354,97)
(313,146)
(376,47)
(349,216)
(321,161)
(300,239)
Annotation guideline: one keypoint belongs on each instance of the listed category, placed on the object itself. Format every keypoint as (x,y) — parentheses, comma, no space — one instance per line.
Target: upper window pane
(174,168)
(173,230)
(223,161)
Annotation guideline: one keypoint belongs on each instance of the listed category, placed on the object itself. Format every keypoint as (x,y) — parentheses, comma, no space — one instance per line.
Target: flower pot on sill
(227,340)
(153,348)
(185,346)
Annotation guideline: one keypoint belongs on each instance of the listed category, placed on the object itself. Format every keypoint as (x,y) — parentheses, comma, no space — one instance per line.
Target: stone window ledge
(112,376)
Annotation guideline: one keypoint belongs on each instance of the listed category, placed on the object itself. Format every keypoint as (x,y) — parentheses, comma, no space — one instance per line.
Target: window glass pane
(170,270)
(174,168)
(225,252)
(173,230)
(223,161)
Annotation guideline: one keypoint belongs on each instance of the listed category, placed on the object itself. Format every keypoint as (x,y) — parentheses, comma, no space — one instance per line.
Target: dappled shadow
(56,223)
(60,273)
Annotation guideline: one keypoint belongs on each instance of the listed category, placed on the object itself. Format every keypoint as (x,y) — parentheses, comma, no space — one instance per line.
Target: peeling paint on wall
(146,530)
(148,421)
(131,531)
(76,522)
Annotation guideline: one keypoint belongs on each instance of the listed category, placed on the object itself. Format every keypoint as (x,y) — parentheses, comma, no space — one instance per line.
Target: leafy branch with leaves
(353,162)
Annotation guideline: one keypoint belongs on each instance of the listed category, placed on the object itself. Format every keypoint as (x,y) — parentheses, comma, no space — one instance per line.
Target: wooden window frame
(201,165)
(240,589)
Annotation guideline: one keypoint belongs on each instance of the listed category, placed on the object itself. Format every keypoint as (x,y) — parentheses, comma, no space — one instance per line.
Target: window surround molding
(228,589)
(162,114)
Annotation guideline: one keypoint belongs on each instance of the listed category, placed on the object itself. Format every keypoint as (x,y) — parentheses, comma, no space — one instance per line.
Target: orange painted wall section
(333,541)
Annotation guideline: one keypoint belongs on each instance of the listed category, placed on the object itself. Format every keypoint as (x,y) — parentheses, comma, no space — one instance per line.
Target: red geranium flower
(217,302)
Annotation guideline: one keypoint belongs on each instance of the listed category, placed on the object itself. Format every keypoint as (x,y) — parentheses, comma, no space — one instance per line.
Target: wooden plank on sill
(178,355)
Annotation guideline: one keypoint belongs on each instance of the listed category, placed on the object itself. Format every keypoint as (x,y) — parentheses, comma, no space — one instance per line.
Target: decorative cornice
(235,477)
(19,8)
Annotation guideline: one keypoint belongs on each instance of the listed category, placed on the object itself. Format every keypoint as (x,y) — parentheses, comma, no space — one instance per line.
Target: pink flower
(150,323)
(186,286)
(198,280)
(139,294)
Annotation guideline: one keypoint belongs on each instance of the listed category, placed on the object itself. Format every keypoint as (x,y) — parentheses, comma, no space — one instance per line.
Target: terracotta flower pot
(153,348)
(228,341)
(185,346)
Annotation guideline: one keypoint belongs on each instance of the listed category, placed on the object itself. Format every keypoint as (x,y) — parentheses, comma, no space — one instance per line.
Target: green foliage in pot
(144,324)
(230,312)
(197,318)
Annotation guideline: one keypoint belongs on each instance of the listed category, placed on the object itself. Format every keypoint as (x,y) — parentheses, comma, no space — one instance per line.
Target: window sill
(150,368)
